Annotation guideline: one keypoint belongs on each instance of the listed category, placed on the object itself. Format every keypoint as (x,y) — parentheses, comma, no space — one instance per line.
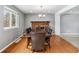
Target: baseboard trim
(18,39)
(15,41)
(69,42)
(69,33)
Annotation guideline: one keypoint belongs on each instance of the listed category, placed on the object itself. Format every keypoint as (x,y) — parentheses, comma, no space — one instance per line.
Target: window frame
(11,11)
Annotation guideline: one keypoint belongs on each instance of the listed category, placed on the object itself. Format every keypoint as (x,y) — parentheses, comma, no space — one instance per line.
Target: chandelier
(41,15)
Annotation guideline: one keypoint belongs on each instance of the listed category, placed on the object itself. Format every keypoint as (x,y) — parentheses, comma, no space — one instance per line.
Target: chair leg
(33,51)
(27,45)
(49,43)
(44,49)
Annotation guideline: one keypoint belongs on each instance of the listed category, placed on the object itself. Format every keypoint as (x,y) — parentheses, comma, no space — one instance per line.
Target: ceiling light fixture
(41,15)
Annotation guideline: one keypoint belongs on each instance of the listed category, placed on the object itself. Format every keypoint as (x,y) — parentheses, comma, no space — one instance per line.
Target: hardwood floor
(58,45)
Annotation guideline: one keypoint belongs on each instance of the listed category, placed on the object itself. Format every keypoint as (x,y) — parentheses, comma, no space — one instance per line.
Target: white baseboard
(15,41)
(66,39)
(69,33)
(18,39)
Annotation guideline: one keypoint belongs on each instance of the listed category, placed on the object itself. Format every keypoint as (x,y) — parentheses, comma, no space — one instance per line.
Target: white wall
(69,28)
(69,23)
(34,17)
(57,24)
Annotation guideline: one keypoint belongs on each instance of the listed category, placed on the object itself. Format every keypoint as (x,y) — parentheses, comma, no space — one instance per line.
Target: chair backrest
(49,31)
(28,30)
(38,40)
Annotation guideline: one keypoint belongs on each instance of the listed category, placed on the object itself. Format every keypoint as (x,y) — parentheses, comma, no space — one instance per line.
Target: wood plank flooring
(58,45)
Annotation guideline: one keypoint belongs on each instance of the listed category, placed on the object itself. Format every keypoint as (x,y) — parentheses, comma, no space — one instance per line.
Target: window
(6,19)
(11,18)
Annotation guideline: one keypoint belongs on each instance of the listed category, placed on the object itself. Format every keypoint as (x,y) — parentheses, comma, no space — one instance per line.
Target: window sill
(7,28)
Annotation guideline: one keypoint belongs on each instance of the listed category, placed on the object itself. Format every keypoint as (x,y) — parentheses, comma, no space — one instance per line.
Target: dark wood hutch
(39,25)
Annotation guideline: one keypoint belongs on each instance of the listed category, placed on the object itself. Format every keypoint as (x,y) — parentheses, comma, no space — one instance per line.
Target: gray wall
(7,36)
(69,23)
(34,17)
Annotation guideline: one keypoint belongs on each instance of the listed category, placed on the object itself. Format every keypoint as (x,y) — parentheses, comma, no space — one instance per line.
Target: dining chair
(38,40)
(48,35)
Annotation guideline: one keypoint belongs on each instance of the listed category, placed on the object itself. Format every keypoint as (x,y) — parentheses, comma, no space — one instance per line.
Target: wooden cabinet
(41,24)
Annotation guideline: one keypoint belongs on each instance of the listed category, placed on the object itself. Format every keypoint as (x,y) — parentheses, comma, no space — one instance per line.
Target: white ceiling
(74,10)
(37,9)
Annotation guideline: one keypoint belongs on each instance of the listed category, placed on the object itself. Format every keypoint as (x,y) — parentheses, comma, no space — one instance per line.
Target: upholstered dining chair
(38,40)
(28,30)
(48,35)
